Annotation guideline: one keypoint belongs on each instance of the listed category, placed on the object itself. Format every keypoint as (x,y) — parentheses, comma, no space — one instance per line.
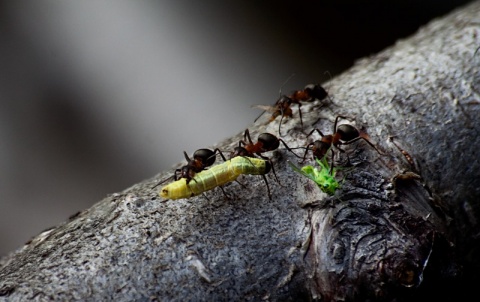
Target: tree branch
(401,225)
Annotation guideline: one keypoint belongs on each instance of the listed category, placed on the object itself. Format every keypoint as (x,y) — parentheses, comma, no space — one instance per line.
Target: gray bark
(403,226)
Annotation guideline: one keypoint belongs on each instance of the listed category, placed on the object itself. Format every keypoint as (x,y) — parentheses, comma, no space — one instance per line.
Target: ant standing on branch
(283,105)
(202,158)
(265,142)
(344,134)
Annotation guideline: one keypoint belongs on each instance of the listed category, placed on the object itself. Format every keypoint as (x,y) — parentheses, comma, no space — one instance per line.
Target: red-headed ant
(202,158)
(265,142)
(344,134)
(283,108)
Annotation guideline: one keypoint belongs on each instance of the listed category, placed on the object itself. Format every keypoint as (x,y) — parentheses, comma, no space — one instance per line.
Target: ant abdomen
(269,141)
(347,132)
(206,156)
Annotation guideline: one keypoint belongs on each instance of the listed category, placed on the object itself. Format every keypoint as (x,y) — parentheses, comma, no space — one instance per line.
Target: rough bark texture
(403,226)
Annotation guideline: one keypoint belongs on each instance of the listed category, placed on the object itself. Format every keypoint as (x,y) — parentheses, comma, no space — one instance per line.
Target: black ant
(265,142)
(344,134)
(282,107)
(202,158)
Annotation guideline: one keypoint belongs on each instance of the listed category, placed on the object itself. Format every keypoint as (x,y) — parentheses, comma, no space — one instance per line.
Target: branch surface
(404,222)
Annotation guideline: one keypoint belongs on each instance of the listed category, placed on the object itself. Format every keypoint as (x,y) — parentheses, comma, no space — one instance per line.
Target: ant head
(347,132)
(239,151)
(269,141)
(186,172)
(284,101)
(205,156)
(316,91)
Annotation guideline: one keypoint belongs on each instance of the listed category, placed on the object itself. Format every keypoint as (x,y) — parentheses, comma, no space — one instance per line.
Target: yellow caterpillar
(215,176)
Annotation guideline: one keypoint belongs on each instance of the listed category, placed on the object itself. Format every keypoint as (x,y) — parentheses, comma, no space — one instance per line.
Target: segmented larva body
(215,176)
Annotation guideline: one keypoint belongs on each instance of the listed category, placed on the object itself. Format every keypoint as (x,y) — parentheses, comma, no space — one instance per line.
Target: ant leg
(280,123)
(333,154)
(335,124)
(336,120)
(308,148)
(259,116)
(161,182)
(300,114)
(215,151)
(175,174)
(268,187)
(366,140)
(362,136)
(274,173)
(280,126)
(205,195)
(253,165)
(244,186)
(288,148)
(316,129)
(273,168)
(332,162)
(224,193)
(246,135)
(263,157)
(174,177)
(186,157)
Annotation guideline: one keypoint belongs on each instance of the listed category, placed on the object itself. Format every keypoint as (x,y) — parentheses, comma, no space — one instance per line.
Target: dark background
(97,96)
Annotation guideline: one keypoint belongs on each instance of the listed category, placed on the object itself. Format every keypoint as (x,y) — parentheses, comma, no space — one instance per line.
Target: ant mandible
(283,108)
(265,142)
(344,134)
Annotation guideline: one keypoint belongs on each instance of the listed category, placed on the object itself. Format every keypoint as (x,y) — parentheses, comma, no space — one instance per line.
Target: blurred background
(96,96)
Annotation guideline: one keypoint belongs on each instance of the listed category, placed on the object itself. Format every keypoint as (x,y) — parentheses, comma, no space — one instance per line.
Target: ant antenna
(329,74)
(280,93)
(284,83)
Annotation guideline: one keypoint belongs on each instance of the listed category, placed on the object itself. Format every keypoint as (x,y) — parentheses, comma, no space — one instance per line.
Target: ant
(344,134)
(202,158)
(283,105)
(265,142)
